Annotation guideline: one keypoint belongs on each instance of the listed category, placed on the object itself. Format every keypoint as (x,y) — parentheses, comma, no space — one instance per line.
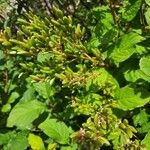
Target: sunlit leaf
(134,75)
(131,10)
(44,89)
(18,141)
(144,65)
(129,97)
(146,140)
(35,142)
(56,130)
(147,16)
(125,47)
(23,114)
(147,2)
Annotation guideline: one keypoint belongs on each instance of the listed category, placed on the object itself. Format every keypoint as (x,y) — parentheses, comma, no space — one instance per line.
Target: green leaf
(141,118)
(141,49)
(13,97)
(6,108)
(23,114)
(72,147)
(1,54)
(125,47)
(43,57)
(93,43)
(145,65)
(44,89)
(52,146)
(147,2)
(131,10)
(141,121)
(146,140)
(102,77)
(105,22)
(147,16)
(134,75)
(28,95)
(130,97)
(18,141)
(4,138)
(108,36)
(36,142)
(56,130)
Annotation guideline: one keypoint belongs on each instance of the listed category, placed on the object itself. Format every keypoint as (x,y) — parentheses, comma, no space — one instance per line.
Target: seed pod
(67,20)
(56,23)
(78,30)
(83,31)
(35,78)
(25,30)
(125,121)
(2,40)
(22,44)
(23,21)
(7,33)
(70,19)
(6,43)
(133,129)
(103,140)
(122,126)
(24,53)
(13,53)
(96,118)
(58,12)
(23,65)
(132,147)
(129,133)
(63,27)
(45,71)
(20,35)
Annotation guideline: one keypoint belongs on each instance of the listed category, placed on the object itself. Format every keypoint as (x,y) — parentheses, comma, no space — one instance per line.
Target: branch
(49,7)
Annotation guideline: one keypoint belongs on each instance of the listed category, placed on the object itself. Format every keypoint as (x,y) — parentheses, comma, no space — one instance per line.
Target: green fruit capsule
(24,53)
(2,40)
(78,30)
(122,126)
(63,27)
(35,78)
(70,19)
(83,31)
(45,71)
(23,65)
(6,43)
(22,44)
(7,33)
(129,133)
(66,20)
(125,121)
(103,140)
(56,23)
(133,129)
(96,118)
(58,12)
(22,21)
(25,29)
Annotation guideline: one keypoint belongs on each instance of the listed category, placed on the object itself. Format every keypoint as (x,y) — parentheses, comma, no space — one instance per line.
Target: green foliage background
(75,75)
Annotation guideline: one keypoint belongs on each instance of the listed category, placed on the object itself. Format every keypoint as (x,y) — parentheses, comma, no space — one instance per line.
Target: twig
(142,17)
(49,7)
(112,8)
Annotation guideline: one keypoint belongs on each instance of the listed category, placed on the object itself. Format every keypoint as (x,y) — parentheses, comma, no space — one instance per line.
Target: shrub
(70,87)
